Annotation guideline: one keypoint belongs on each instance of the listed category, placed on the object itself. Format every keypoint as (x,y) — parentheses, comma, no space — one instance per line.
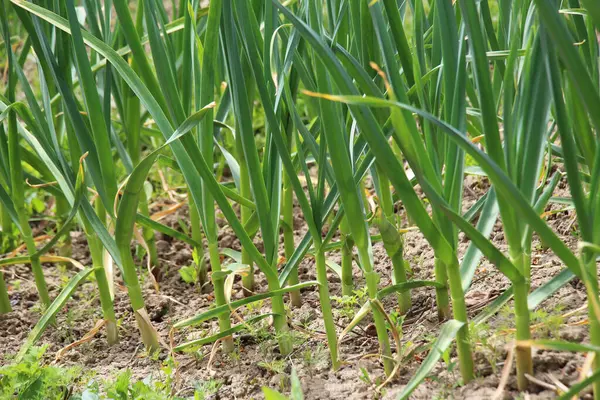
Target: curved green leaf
(228,332)
(407,285)
(445,338)
(52,310)
(216,311)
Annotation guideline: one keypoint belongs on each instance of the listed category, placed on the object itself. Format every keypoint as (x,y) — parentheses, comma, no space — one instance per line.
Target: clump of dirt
(256,361)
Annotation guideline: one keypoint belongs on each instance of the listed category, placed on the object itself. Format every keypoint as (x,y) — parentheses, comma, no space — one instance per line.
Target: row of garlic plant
(419,97)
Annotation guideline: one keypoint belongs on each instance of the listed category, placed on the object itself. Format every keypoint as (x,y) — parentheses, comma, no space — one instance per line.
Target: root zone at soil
(256,361)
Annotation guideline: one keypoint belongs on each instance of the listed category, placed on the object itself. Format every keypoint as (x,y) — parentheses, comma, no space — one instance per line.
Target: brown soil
(251,367)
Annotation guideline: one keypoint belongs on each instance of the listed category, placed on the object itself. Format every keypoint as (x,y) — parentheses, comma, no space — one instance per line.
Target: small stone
(573,334)
(371,330)
(162,246)
(278,380)
(182,257)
